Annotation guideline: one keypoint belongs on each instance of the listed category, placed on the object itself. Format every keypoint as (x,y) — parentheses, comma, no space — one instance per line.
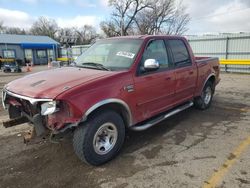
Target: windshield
(111,54)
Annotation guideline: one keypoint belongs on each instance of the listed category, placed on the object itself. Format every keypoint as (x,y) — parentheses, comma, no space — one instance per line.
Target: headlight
(48,108)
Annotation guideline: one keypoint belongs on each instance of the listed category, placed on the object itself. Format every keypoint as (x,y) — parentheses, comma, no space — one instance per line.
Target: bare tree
(1,27)
(86,34)
(66,36)
(65,32)
(12,30)
(145,17)
(163,17)
(49,27)
(152,19)
(123,16)
(179,22)
(45,26)
(110,28)
(15,30)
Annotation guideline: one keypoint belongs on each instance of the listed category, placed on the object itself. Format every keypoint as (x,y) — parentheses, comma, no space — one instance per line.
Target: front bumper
(5,92)
(22,107)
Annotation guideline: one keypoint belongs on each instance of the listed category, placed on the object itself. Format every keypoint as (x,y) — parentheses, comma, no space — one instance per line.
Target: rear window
(180,53)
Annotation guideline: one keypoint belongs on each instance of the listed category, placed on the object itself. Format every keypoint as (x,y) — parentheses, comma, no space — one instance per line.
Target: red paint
(153,93)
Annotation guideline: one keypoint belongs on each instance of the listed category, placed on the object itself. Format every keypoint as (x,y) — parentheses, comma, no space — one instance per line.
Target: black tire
(6,70)
(84,136)
(202,102)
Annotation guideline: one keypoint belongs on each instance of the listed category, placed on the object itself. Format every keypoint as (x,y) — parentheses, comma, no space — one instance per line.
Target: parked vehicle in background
(125,82)
(12,66)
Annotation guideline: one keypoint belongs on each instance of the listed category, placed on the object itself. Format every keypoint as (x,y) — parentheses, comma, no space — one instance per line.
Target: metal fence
(233,50)
(238,66)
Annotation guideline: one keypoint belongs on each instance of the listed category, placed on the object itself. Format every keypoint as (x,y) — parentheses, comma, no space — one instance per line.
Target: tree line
(128,17)
(48,27)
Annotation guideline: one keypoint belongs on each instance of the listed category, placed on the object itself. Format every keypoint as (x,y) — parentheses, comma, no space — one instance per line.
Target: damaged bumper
(24,109)
(14,122)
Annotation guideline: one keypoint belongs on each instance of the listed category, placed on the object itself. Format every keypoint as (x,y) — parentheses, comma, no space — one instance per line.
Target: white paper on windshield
(125,54)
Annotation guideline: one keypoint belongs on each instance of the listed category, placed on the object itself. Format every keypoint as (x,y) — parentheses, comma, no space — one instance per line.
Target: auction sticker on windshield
(125,54)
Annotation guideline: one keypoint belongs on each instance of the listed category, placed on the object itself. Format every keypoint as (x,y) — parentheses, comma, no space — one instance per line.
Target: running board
(161,118)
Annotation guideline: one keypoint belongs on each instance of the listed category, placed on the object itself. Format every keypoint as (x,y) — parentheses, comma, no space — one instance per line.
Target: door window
(155,50)
(180,53)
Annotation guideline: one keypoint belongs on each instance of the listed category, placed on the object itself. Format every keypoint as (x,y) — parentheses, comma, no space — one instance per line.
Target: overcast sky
(207,16)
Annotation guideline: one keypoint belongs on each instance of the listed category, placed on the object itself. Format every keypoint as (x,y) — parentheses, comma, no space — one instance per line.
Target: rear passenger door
(154,89)
(185,71)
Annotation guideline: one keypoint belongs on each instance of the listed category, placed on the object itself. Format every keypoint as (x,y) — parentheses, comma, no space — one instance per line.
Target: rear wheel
(100,139)
(204,101)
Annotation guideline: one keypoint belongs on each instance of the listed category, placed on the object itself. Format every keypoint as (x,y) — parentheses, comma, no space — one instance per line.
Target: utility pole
(122,25)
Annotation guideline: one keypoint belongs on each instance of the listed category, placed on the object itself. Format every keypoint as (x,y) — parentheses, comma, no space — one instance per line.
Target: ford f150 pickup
(129,82)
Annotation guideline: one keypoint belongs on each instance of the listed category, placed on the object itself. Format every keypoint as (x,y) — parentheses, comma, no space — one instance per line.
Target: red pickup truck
(124,82)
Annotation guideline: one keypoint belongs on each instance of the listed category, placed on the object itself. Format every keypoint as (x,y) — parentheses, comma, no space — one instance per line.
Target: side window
(9,54)
(180,53)
(41,53)
(156,50)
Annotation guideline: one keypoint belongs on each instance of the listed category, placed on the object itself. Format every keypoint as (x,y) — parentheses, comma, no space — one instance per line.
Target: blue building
(38,49)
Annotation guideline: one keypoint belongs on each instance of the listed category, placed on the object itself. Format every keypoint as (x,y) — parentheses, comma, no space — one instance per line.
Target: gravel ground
(186,150)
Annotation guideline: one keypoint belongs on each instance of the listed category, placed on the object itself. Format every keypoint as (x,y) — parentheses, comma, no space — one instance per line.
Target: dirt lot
(192,149)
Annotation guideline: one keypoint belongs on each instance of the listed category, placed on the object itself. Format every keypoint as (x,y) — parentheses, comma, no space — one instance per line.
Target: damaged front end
(46,115)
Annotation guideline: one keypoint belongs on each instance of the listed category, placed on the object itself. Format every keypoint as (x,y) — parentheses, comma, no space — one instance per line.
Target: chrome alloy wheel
(105,138)
(207,95)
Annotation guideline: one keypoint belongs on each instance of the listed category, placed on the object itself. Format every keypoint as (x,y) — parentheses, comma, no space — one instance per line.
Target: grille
(27,107)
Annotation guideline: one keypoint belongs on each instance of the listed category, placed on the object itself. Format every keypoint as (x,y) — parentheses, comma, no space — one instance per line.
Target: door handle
(168,78)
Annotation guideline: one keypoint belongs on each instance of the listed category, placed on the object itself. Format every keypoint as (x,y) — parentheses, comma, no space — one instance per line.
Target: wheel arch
(117,105)
(210,78)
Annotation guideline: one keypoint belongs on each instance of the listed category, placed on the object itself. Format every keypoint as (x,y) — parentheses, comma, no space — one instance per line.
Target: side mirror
(151,64)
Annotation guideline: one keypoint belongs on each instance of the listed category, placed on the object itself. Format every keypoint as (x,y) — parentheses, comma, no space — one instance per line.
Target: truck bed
(205,67)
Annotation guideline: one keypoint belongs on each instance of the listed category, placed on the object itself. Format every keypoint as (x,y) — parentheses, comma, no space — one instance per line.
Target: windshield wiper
(96,65)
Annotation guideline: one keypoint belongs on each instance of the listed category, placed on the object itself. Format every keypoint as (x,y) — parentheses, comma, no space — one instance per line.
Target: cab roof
(147,37)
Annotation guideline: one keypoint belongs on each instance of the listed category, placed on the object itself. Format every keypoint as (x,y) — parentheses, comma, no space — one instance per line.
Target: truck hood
(49,84)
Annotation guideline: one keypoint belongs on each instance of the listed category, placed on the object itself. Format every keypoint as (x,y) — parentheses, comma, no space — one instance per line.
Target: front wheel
(100,139)
(204,101)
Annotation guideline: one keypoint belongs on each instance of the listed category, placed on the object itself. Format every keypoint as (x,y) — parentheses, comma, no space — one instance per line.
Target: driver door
(154,89)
